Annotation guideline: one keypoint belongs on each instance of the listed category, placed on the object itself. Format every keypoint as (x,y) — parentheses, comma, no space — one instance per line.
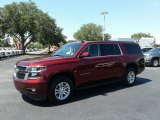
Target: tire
(155,63)
(129,77)
(61,90)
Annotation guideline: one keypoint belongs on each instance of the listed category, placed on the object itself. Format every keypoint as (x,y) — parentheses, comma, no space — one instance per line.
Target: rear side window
(109,49)
(132,48)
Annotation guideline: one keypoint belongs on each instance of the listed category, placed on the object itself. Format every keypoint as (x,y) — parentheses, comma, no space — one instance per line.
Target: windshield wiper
(58,55)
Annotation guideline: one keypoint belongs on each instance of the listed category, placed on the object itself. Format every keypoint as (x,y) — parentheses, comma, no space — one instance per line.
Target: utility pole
(104,14)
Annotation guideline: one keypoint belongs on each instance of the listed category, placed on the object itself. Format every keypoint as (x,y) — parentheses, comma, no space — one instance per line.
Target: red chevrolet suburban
(56,76)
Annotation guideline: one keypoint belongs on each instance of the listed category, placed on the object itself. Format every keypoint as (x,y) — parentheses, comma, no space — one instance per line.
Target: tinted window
(117,50)
(107,49)
(132,49)
(92,49)
(146,49)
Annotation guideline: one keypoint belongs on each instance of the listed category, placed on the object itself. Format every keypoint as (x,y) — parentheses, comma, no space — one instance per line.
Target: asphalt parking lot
(108,102)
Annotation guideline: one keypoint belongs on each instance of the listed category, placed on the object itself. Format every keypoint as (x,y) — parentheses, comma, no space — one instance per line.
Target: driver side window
(92,49)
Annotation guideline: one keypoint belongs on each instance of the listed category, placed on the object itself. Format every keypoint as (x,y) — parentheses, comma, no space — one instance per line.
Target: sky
(124,18)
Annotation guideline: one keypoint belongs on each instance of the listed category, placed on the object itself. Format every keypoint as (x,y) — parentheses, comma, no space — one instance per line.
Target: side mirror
(84,54)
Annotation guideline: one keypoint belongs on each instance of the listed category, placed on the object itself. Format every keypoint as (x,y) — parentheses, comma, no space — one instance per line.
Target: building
(147,42)
(123,39)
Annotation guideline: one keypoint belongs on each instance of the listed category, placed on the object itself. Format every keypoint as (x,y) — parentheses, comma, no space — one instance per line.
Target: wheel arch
(134,66)
(69,75)
(156,58)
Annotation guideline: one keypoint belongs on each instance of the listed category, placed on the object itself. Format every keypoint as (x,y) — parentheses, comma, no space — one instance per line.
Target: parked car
(152,57)
(7,53)
(76,65)
(19,52)
(12,53)
(2,53)
(146,49)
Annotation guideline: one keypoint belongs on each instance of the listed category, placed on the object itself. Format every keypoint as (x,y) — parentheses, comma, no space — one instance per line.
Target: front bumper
(35,89)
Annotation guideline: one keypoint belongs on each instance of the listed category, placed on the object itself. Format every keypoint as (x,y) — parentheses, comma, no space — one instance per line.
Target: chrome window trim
(100,51)
(120,49)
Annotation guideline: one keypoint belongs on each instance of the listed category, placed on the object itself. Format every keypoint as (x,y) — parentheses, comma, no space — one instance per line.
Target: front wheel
(129,77)
(155,62)
(61,90)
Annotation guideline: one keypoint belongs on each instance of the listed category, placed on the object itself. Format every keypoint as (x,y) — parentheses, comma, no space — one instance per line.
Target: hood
(43,61)
(146,53)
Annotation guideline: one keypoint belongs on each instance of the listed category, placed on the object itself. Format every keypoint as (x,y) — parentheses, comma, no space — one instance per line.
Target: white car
(6,53)
(2,54)
(15,51)
(12,53)
(19,52)
(9,52)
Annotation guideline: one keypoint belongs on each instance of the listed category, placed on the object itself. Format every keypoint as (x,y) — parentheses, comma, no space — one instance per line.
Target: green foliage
(138,36)
(70,41)
(50,34)
(36,45)
(26,23)
(90,32)
(107,36)
(4,43)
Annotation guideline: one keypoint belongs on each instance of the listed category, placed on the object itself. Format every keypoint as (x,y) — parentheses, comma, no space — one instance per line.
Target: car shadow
(90,92)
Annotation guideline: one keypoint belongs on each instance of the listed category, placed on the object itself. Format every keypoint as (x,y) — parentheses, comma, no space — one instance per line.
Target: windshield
(155,50)
(152,50)
(68,50)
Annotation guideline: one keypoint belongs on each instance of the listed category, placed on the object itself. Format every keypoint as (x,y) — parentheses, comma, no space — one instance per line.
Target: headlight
(147,56)
(34,71)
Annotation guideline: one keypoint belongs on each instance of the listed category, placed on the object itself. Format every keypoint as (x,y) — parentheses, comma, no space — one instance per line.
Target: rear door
(110,64)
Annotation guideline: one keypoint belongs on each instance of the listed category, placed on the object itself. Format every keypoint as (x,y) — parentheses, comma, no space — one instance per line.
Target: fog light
(31,89)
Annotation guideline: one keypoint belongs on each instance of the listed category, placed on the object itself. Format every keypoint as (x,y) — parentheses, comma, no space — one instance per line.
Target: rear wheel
(129,77)
(155,62)
(61,90)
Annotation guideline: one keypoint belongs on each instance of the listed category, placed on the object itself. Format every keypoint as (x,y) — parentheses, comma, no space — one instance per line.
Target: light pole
(104,14)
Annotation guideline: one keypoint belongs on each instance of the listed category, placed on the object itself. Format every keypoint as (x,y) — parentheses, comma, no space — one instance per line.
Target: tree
(25,22)
(4,43)
(107,36)
(90,32)
(19,21)
(50,34)
(138,36)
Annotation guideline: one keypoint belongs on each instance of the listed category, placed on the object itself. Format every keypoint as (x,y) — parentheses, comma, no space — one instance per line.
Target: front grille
(21,72)
(20,75)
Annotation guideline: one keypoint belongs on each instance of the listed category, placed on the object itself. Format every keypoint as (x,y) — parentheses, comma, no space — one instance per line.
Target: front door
(86,67)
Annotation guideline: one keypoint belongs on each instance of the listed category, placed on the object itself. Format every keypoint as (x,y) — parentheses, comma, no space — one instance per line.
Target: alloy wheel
(62,90)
